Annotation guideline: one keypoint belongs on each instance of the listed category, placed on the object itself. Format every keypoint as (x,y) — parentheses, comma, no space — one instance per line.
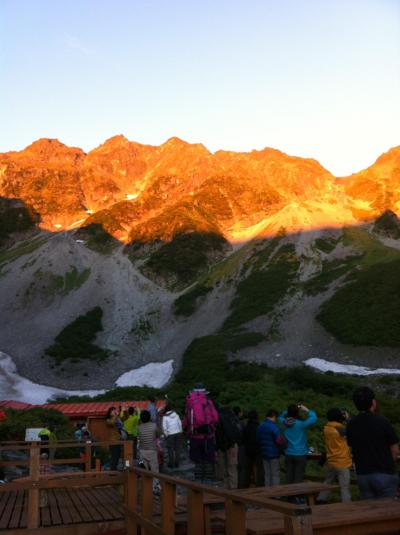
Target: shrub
(75,340)
(18,421)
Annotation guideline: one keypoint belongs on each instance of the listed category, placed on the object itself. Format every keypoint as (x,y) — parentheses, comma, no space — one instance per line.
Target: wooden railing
(86,461)
(139,498)
(140,516)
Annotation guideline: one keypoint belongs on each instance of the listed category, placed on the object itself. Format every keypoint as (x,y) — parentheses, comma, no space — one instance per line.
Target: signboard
(32,434)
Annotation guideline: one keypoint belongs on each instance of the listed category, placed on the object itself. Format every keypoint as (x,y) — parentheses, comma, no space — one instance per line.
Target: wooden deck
(65,507)
(370,517)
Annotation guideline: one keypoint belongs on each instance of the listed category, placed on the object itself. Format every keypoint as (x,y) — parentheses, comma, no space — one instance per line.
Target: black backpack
(229,430)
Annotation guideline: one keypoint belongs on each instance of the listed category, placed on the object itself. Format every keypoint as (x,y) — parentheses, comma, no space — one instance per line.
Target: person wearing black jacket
(253,461)
(375,447)
(228,436)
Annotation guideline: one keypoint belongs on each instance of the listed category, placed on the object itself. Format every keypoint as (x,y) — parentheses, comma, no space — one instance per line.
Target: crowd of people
(242,450)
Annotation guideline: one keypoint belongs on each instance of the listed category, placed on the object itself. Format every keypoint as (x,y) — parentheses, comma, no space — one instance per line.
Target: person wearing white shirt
(172,429)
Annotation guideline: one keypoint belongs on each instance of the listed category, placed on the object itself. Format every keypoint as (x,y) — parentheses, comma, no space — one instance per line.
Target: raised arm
(311,417)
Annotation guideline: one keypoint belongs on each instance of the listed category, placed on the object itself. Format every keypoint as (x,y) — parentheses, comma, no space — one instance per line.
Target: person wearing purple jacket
(296,420)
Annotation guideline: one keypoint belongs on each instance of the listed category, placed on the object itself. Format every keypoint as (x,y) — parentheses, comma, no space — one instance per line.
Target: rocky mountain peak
(46,149)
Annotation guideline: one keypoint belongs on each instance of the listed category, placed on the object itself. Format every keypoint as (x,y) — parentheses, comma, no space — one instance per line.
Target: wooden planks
(8,508)
(65,507)
(372,517)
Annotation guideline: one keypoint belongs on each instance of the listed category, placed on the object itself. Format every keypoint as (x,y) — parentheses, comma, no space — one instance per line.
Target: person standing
(252,460)
(52,442)
(172,429)
(228,435)
(131,426)
(338,458)
(148,442)
(114,425)
(270,440)
(152,408)
(44,436)
(375,448)
(199,422)
(296,420)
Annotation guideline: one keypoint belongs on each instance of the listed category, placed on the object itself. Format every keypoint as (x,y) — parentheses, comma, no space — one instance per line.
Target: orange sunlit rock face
(145,193)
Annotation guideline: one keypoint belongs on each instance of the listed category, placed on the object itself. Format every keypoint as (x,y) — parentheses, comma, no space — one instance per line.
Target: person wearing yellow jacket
(338,458)
(131,425)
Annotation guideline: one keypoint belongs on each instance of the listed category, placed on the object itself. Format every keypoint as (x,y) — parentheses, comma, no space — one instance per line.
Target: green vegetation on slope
(74,279)
(15,217)
(97,238)
(75,340)
(48,284)
(373,251)
(331,271)
(367,310)
(186,255)
(21,249)
(187,303)
(253,255)
(258,293)
(209,356)
(326,245)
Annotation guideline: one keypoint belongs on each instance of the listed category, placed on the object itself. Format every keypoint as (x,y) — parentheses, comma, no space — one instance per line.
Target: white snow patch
(155,374)
(349,369)
(13,386)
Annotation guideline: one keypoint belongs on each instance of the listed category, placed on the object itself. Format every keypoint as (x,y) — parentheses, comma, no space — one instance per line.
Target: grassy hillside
(264,287)
(367,310)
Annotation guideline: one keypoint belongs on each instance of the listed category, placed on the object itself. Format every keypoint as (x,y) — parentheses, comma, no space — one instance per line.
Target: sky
(312,78)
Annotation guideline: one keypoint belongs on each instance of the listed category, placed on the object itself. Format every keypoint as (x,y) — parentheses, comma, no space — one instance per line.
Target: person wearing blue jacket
(294,429)
(269,438)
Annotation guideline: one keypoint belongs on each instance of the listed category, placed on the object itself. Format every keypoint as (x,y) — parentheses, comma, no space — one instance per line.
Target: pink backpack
(201,414)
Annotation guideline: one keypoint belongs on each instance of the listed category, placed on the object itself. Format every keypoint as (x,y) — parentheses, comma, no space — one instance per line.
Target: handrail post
(195,512)
(88,456)
(131,501)
(300,524)
(147,498)
(235,517)
(168,493)
(128,453)
(33,492)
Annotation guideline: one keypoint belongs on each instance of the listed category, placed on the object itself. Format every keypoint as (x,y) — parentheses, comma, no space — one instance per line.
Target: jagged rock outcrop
(376,188)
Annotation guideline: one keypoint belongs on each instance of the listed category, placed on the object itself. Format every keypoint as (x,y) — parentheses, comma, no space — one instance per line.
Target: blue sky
(313,78)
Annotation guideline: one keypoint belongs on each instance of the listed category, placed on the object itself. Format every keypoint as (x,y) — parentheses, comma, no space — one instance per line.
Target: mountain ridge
(175,243)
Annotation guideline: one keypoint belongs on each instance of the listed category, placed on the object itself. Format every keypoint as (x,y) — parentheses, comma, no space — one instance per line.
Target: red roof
(17,405)
(79,410)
